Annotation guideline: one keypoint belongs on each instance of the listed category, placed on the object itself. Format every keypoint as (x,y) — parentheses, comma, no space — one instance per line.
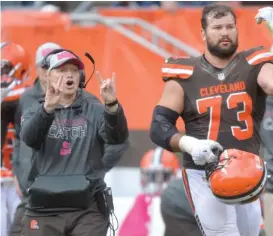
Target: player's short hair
(217,11)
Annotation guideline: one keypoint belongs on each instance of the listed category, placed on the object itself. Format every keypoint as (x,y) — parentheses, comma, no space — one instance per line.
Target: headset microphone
(94,66)
(90,57)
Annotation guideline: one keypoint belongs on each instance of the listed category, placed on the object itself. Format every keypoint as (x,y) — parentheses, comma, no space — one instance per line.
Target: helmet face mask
(14,55)
(154,181)
(237,178)
(6,68)
(158,167)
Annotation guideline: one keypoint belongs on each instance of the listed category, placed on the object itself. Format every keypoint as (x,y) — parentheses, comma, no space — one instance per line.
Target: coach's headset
(45,64)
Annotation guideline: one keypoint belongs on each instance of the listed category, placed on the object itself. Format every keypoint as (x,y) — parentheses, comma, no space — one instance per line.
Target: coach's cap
(61,58)
(44,50)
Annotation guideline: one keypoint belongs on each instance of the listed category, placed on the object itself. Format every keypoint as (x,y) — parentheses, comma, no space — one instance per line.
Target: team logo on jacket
(65,149)
(34,224)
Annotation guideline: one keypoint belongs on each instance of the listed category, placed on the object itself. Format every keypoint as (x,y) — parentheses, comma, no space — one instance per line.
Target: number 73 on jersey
(213,105)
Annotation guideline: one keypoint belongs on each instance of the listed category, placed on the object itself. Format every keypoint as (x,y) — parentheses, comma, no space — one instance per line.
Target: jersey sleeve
(177,69)
(257,58)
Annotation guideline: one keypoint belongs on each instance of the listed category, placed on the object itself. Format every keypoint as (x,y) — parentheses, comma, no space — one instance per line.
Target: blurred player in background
(157,167)
(14,71)
(221,98)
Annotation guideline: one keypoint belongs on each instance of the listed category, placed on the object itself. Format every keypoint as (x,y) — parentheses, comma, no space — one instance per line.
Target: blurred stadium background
(132,39)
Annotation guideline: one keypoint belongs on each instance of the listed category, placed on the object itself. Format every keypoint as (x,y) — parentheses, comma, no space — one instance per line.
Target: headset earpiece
(82,79)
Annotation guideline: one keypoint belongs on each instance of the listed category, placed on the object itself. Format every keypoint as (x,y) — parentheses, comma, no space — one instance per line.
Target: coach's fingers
(99,76)
(113,77)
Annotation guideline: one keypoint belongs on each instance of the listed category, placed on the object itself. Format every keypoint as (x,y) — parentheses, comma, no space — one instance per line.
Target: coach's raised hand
(108,90)
(54,93)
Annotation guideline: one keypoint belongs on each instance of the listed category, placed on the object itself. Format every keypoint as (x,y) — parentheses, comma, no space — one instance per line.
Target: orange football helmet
(14,62)
(158,166)
(238,177)
(14,70)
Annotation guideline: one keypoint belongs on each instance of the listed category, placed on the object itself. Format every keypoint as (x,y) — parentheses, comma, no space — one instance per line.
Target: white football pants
(218,219)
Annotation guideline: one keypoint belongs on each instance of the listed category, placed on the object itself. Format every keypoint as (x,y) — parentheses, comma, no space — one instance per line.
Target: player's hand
(265,14)
(202,151)
(107,88)
(54,93)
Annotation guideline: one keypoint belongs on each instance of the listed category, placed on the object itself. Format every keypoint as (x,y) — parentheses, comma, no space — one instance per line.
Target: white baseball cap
(44,50)
(61,58)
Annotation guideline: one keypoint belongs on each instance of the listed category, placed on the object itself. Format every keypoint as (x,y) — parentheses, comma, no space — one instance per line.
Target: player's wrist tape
(187,143)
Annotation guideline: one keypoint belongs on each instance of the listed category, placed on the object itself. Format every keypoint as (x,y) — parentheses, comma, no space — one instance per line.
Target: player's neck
(218,62)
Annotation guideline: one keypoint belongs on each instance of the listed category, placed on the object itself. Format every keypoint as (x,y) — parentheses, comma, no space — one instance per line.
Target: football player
(158,167)
(221,97)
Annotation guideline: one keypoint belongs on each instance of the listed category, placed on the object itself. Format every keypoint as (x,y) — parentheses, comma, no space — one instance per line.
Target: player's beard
(223,53)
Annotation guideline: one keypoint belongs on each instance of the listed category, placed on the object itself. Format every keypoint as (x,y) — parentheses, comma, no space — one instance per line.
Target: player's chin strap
(212,166)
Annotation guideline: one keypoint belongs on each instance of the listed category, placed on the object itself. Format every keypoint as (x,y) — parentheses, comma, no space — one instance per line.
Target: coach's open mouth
(70,83)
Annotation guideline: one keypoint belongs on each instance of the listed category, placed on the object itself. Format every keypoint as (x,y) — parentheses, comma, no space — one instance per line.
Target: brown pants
(268,213)
(84,223)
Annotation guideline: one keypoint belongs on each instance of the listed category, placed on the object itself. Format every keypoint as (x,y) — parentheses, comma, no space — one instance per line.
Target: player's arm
(265,78)
(163,129)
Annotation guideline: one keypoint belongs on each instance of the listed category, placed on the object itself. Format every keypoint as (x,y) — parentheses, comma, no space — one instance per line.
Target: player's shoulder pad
(257,55)
(178,67)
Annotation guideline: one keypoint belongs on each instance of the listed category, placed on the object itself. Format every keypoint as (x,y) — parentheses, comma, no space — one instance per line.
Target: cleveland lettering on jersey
(223,88)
